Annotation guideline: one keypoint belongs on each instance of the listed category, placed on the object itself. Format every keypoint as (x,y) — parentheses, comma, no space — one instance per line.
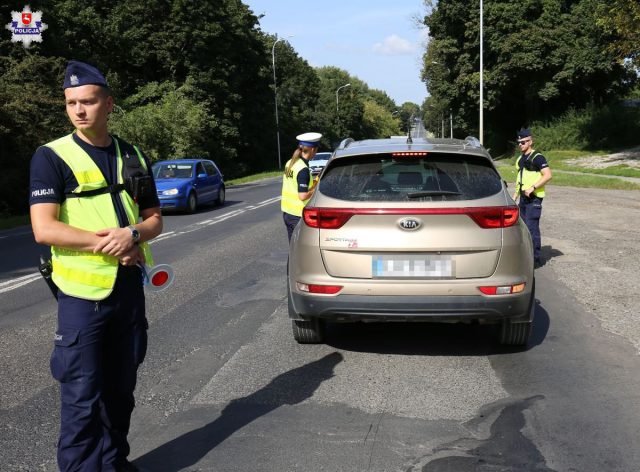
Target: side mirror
(202,176)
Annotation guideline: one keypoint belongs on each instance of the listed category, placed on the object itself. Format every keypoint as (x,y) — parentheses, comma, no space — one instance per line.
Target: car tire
(192,202)
(308,332)
(221,196)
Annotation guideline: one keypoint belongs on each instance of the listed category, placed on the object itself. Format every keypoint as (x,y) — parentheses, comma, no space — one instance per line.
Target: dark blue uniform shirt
(536,164)
(52,178)
(303,178)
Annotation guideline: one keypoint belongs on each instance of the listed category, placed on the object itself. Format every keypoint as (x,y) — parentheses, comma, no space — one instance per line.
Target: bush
(606,127)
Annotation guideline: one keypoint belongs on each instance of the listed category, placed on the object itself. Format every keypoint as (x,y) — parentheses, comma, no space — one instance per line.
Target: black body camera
(139,186)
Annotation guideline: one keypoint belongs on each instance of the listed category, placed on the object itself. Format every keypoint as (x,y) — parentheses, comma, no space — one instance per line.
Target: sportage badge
(410,224)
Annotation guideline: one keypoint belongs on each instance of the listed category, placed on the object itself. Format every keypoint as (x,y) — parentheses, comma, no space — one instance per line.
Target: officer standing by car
(93,200)
(297,184)
(533,173)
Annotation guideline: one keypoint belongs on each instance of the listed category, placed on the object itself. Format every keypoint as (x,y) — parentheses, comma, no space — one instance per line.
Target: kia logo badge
(409,224)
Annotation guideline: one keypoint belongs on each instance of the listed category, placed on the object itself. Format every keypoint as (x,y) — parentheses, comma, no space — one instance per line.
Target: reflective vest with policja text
(84,274)
(291,203)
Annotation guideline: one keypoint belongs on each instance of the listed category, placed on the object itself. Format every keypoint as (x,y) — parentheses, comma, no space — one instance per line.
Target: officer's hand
(132,257)
(115,241)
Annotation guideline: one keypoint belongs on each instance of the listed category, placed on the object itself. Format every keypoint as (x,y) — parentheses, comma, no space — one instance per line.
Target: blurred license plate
(412,266)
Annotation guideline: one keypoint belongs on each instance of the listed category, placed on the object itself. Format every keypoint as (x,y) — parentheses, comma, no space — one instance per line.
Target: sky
(379,42)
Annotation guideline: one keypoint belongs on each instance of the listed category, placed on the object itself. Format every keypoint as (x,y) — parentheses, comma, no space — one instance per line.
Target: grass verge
(252,178)
(560,178)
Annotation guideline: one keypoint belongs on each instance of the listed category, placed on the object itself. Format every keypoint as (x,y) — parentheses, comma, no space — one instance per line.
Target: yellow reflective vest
(527,178)
(291,203)
(79,273)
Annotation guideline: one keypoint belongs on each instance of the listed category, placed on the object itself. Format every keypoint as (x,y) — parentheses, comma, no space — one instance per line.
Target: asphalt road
(225,387)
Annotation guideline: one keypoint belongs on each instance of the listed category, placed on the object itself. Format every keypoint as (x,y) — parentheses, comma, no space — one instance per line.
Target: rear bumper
(413,308)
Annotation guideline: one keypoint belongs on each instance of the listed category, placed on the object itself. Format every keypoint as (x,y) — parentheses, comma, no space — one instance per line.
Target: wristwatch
(135,234)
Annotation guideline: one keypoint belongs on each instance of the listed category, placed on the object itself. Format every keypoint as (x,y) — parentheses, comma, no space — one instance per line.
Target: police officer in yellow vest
(297,184)
(93,200)
(533,173)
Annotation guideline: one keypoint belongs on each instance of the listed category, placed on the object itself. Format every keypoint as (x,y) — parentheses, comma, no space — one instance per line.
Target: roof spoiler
(344,143)
(472,141)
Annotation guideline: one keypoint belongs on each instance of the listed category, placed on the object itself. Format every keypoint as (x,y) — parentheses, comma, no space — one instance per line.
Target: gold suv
(411,230)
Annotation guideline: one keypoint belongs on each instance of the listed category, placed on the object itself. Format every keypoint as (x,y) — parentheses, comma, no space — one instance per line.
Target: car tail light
(314,288)
(485,217)
(409,153)
(324,218)
(495,217)
(502,289)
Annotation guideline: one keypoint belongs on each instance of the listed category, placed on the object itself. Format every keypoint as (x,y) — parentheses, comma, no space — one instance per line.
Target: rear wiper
(432,193)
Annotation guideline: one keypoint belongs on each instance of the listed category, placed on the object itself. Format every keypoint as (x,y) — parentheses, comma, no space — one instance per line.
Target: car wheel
(308,332)
(221,196)
(192,202)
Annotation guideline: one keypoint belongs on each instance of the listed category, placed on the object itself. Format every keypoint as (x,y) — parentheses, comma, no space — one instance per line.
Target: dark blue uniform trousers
(98,348)
(290,221)
(531,210)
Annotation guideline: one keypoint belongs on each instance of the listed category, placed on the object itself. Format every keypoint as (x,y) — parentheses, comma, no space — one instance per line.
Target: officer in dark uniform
(533,173)
(297,184)
(93,200)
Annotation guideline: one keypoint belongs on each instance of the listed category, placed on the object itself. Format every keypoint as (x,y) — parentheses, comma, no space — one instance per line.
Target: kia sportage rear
(402,230)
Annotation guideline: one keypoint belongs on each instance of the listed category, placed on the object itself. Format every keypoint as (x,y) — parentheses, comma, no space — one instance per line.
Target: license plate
(425,266)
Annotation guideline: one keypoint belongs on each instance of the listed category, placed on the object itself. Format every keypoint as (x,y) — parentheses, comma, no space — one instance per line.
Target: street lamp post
(481,72)
(337,110)
(337,90)
(275,93)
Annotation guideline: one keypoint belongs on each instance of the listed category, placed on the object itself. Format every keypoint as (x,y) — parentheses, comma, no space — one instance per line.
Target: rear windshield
(435,177)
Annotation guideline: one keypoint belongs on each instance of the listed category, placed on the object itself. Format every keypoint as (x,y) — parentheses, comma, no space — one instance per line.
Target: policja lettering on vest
(97,221)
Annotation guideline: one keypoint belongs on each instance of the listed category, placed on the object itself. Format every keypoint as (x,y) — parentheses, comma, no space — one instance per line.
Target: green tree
(378,122)
(171,126)
(620,19)
(31,113)
(298,91)
(540,58)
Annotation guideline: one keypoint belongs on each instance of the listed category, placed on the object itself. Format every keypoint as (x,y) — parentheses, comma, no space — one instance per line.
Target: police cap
(309,139)
(524,133)
(79,73)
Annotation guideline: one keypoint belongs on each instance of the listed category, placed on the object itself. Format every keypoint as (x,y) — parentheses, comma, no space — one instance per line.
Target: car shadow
(431,339)
(289,388)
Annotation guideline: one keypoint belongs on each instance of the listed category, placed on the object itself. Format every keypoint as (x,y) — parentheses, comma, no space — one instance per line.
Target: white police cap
(309,139)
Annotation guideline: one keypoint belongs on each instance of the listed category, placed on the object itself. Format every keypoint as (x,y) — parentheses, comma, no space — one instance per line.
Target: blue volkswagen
(184,184)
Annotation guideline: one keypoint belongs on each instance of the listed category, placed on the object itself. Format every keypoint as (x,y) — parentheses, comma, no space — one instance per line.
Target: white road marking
(27,279)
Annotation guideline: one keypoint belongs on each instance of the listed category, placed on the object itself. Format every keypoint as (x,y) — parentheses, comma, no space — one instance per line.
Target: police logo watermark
(26,26)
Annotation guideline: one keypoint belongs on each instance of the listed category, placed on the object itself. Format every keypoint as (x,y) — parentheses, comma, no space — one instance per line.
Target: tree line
(188,78)
(542,58)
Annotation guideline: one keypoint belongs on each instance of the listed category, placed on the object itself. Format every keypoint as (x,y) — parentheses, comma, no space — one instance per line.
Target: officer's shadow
(289,388)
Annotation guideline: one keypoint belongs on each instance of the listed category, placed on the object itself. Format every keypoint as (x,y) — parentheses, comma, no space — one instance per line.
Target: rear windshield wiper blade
(431,193)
